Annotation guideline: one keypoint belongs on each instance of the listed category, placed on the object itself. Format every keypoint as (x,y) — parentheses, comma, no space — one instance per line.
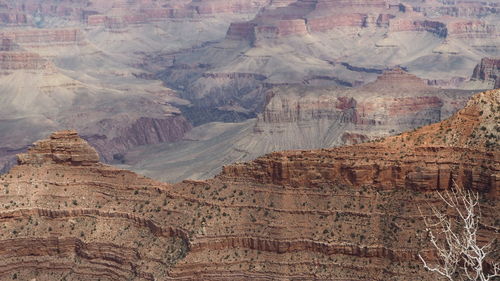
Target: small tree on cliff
(454,238)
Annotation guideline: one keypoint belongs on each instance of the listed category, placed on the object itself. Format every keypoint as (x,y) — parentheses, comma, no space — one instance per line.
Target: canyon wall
(343,213)
(360,165)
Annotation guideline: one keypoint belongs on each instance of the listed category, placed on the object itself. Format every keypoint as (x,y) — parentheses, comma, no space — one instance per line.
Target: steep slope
(61,60)
(79,214)
(39,96)
(344,213)
(56,78)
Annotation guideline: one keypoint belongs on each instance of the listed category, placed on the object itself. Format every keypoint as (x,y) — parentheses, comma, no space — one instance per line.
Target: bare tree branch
(454,238)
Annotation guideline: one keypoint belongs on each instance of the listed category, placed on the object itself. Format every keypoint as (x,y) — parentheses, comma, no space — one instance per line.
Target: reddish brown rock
(471,29)
(62,147)
(398,77)
(461,149)
(329,22)
(353,138)
(330,214)
(346,213)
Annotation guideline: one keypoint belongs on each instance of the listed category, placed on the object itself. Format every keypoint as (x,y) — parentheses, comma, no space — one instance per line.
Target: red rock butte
(62,147)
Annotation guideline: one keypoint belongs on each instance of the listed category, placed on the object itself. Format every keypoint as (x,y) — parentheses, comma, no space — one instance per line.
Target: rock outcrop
(13,57)
(62,147)
(345,213)
(488,70)
(435,27)
(22,61)
(307,42)
(42,83)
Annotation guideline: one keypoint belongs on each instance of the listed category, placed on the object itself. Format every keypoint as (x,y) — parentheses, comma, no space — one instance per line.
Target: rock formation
(467,137)
(397,101)
(345,213)
(109,13)
(62,147)
(56,78)
(488,71)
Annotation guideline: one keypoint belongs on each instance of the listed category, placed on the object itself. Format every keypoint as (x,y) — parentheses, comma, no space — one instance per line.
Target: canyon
(146,82)
(302,117)
(349,212)
(62,75)
(241,140)
(334,43)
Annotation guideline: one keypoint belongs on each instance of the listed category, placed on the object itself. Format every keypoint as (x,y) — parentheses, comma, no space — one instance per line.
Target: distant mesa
(397,77)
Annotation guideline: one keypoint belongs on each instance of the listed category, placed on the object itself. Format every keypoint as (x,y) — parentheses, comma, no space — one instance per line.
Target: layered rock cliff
(116,12)
(346,213)
(68,205)
(62,147)
(310,42)
(469,139)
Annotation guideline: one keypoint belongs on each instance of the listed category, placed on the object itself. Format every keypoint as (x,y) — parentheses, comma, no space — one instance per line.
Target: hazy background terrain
(176,89)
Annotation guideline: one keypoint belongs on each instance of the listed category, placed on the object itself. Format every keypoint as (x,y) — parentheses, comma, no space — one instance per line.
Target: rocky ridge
(469,139)
(308,215)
